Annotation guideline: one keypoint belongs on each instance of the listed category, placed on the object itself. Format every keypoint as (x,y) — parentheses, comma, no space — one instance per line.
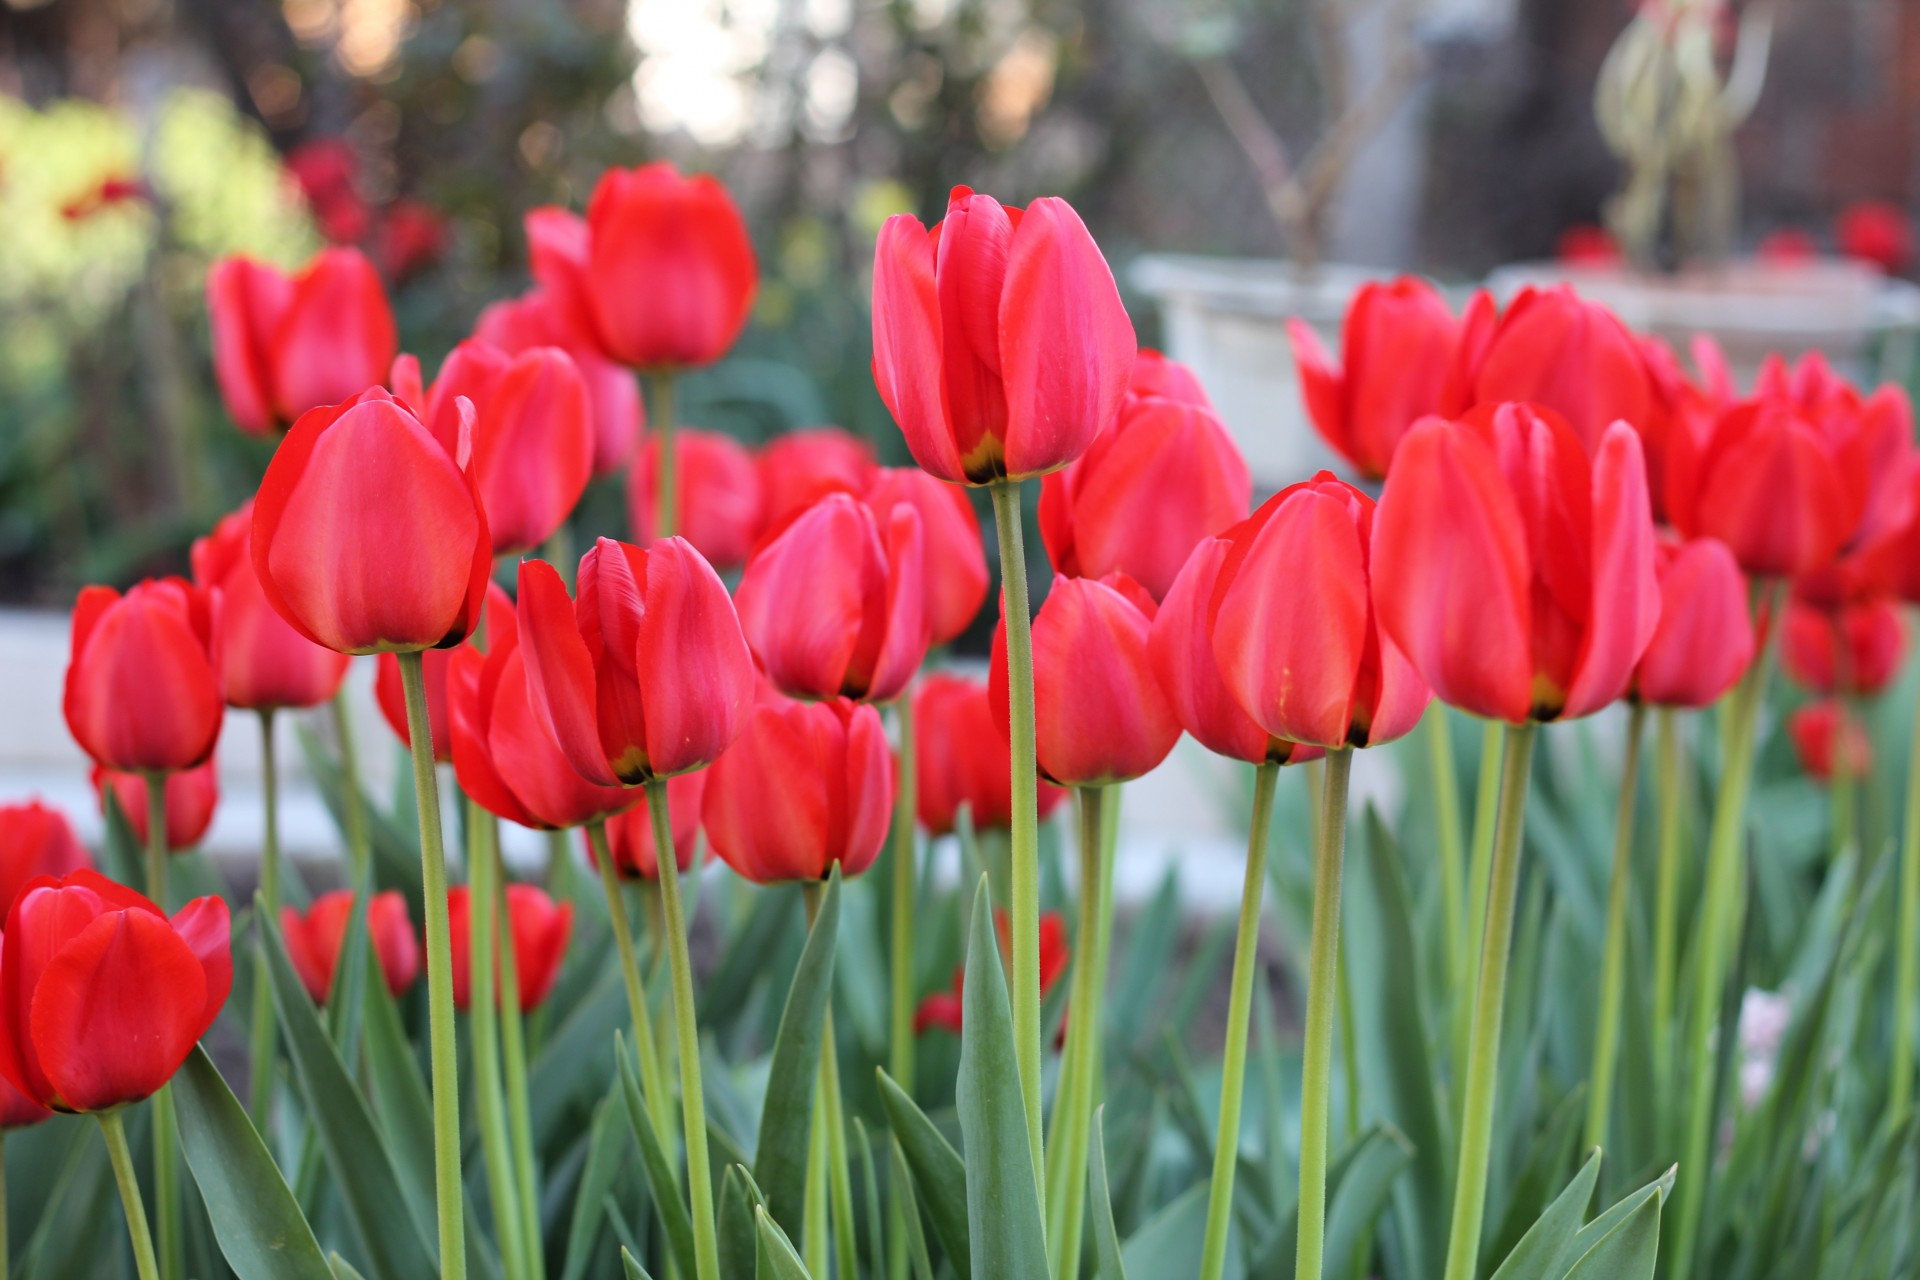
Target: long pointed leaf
(938,1173)
(1628,1252)
(659,1169)
(1106,1240)
(777,1253)
(1547,1247)
(786,1117)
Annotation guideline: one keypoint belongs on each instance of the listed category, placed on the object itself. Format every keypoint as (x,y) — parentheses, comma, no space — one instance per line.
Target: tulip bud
(717,491)
(961,759)
(1821,731)
(1704,640)
(191,797)
(630,834)
(533,320)
(802,467)
(956,560)
(314,940)
(143,686)
(1157,375)
(1854,649)
(540,928)
(35,840)
(265,664)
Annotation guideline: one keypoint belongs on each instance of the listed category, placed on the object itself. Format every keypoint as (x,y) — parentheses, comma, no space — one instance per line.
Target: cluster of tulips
(1555,518)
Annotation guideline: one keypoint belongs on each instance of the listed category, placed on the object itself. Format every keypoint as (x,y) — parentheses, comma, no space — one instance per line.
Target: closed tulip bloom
(956,560)
(807,785)
(719,496)
(314,940)
(630,834)
(1821,731)
(1396,349)
(1143,494)
(1515,573)
(1704,640)
(540,928)
(1100,715)
(644,676)
(533,320)
(836,604)
(101,995)
(264,663)
(999,342)
(368,535)
(961,759)
(36,840)
(192,795)
(1855,649)
(802,467)
(143,685)
(285,344)
(1155,374)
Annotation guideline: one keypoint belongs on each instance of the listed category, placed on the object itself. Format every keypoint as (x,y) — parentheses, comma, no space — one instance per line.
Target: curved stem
(114,1131)
(513,1052)
(261,1093)
(1667,785)
(483,1033)
(652,1080)
(1490,997)
(693,1102)
(666,496)
(1452,869)
(1486,802)
(1613,965)
(1316,1069)
(166,1141)
(440,1029)
(1233,1070)
(1083,1035)
(1906,987)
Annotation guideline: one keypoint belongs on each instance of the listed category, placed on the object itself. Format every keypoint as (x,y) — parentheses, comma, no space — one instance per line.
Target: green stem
(114,1131)
(652,1080)
(559,867)
(1316,1068)
(666,500)
(1486,801)
(440,1027)
(1025,893)
(1667,785)
(1483,1051)
(263,1026)
(827,1166)
(1083,1036)
(1349,1044)
(483,1030)
(513,1050)
(900,1047)
(359,850)
(693,1103)
(1233,1070)
(1906,985)
(166,1140)
(1452,869)
(1613,965)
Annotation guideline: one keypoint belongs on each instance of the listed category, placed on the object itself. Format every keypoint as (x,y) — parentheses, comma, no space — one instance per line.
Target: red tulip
(836,604)
(534,320)
(999,342)
(285,344)
(802,467)
(540,929)
(1586,245)
(1813,652)
(1143,494)
(1704,640)
(1099,714)
(101,995)
(17,1110)
(1157,375)
(368,535)
(191,797)
(960,758)
(647,674)
(328,171)
(956,561)
(143,685)
(1516,574)
(391,697)
(1820,730)
(1397,345)
(35,840)
(1788,247)
(410,236)
(1878,232)
(720,498)
(264,663)
(630,834)
(314,940)
(943,1008)
(807,785)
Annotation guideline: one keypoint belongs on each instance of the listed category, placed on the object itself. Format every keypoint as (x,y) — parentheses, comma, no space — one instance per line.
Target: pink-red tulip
(368,535)
(1397,348)
(807,785)
(533,320)
(836,604)
(1155,374)
(999,342)
(314,940)
(802,467)
(285,344)
(630,834)
(191,797)
(1100,715)
(1143,494)
(1515,573)
(956,561)
(540,929)
(101,995)
(961,759)
(35,840)
(17,1110)
(646,675)
(1855,649)
(717,486)
(143,686)
(1704,640)
(1877,232)
(264,663)
(1821,731)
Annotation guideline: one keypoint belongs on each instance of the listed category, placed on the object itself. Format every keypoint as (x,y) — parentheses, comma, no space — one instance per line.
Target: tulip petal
(206,927)
(1183,659)
(906,345)
(560,675)
(336,337)
(472,754)
(695,667)
(906,632)
(1626,594)
(246,301)
(1322,387)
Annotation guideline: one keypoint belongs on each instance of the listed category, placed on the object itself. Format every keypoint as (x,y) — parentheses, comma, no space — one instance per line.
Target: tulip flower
(314,940)
(644,676)
(1155,374)
(534,320)
(143,686)
(1704,640)
(191,797)
(630,834)
(956,562)
(720,497)
(807,785)
(368,535)
(802,467)
(264,663)
(540,928)
(1397,347)
(1855,649)
(118,993)
(942,1008)
(960,758)
(836,605)
(999,342)
(285,344)
(1101,715)
(1876,232)
(35,840)
(1820,732)
(17,1110)
(1586,245)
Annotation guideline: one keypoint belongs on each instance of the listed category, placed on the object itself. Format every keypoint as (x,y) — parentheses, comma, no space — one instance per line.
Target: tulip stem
(1025,889)
(483,1029)
(166,1142)
(1316,1068)
(1452,869)
(263,1026)
(652,1078)
(666,498)
(1490,998)
(1613,965)
(513,1051)
(113,1129)
(559,867)
(1906,987)
(1486,802)
(1067,1200)
(444,1054)
(1666,901)
(903,989)
(693,1103)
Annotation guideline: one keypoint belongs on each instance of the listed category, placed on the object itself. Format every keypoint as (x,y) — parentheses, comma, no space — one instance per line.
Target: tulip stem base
(263,1045)
(1316,1068)
(166,1140)
(113,1129)
(483,1032)
(1906,986)
(652,1076)
(660,413)
(1613,964)
(440,1026)
(1486,802)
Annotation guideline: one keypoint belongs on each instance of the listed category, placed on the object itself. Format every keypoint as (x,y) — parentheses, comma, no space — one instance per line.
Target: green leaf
(778,1260)
(659,1169)
(66,1240)
(876,1235)
(1548,1245)
(1628,1252)
(739,1241)
(786,1117)
(1546,1166)
(1168,1242)
(631,1265)
(572,1058)
(1591,1234)
(1359,1183)
(1106,1240)
(1003,1200)
(401,1099)
(342,1269)
(604,1158)
(395,847)
(900,1184)
(938,1174)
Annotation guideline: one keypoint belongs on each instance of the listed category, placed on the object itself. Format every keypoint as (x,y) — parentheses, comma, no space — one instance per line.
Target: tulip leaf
(658,1166)
(1168,1242)
(1546,1166)
(64,1241)
(395,847)
(1603,1225)
(1547,1247)
(786,1117)
(938,1174)
(1360,1181)
(1106,1240)
(400,1097)
(631,1265)
(573,1056)
(342,1269)
(778,1260)
(739,1198)
(900,1184)
(1003,1199)
(604,1158)
(1628,1252)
